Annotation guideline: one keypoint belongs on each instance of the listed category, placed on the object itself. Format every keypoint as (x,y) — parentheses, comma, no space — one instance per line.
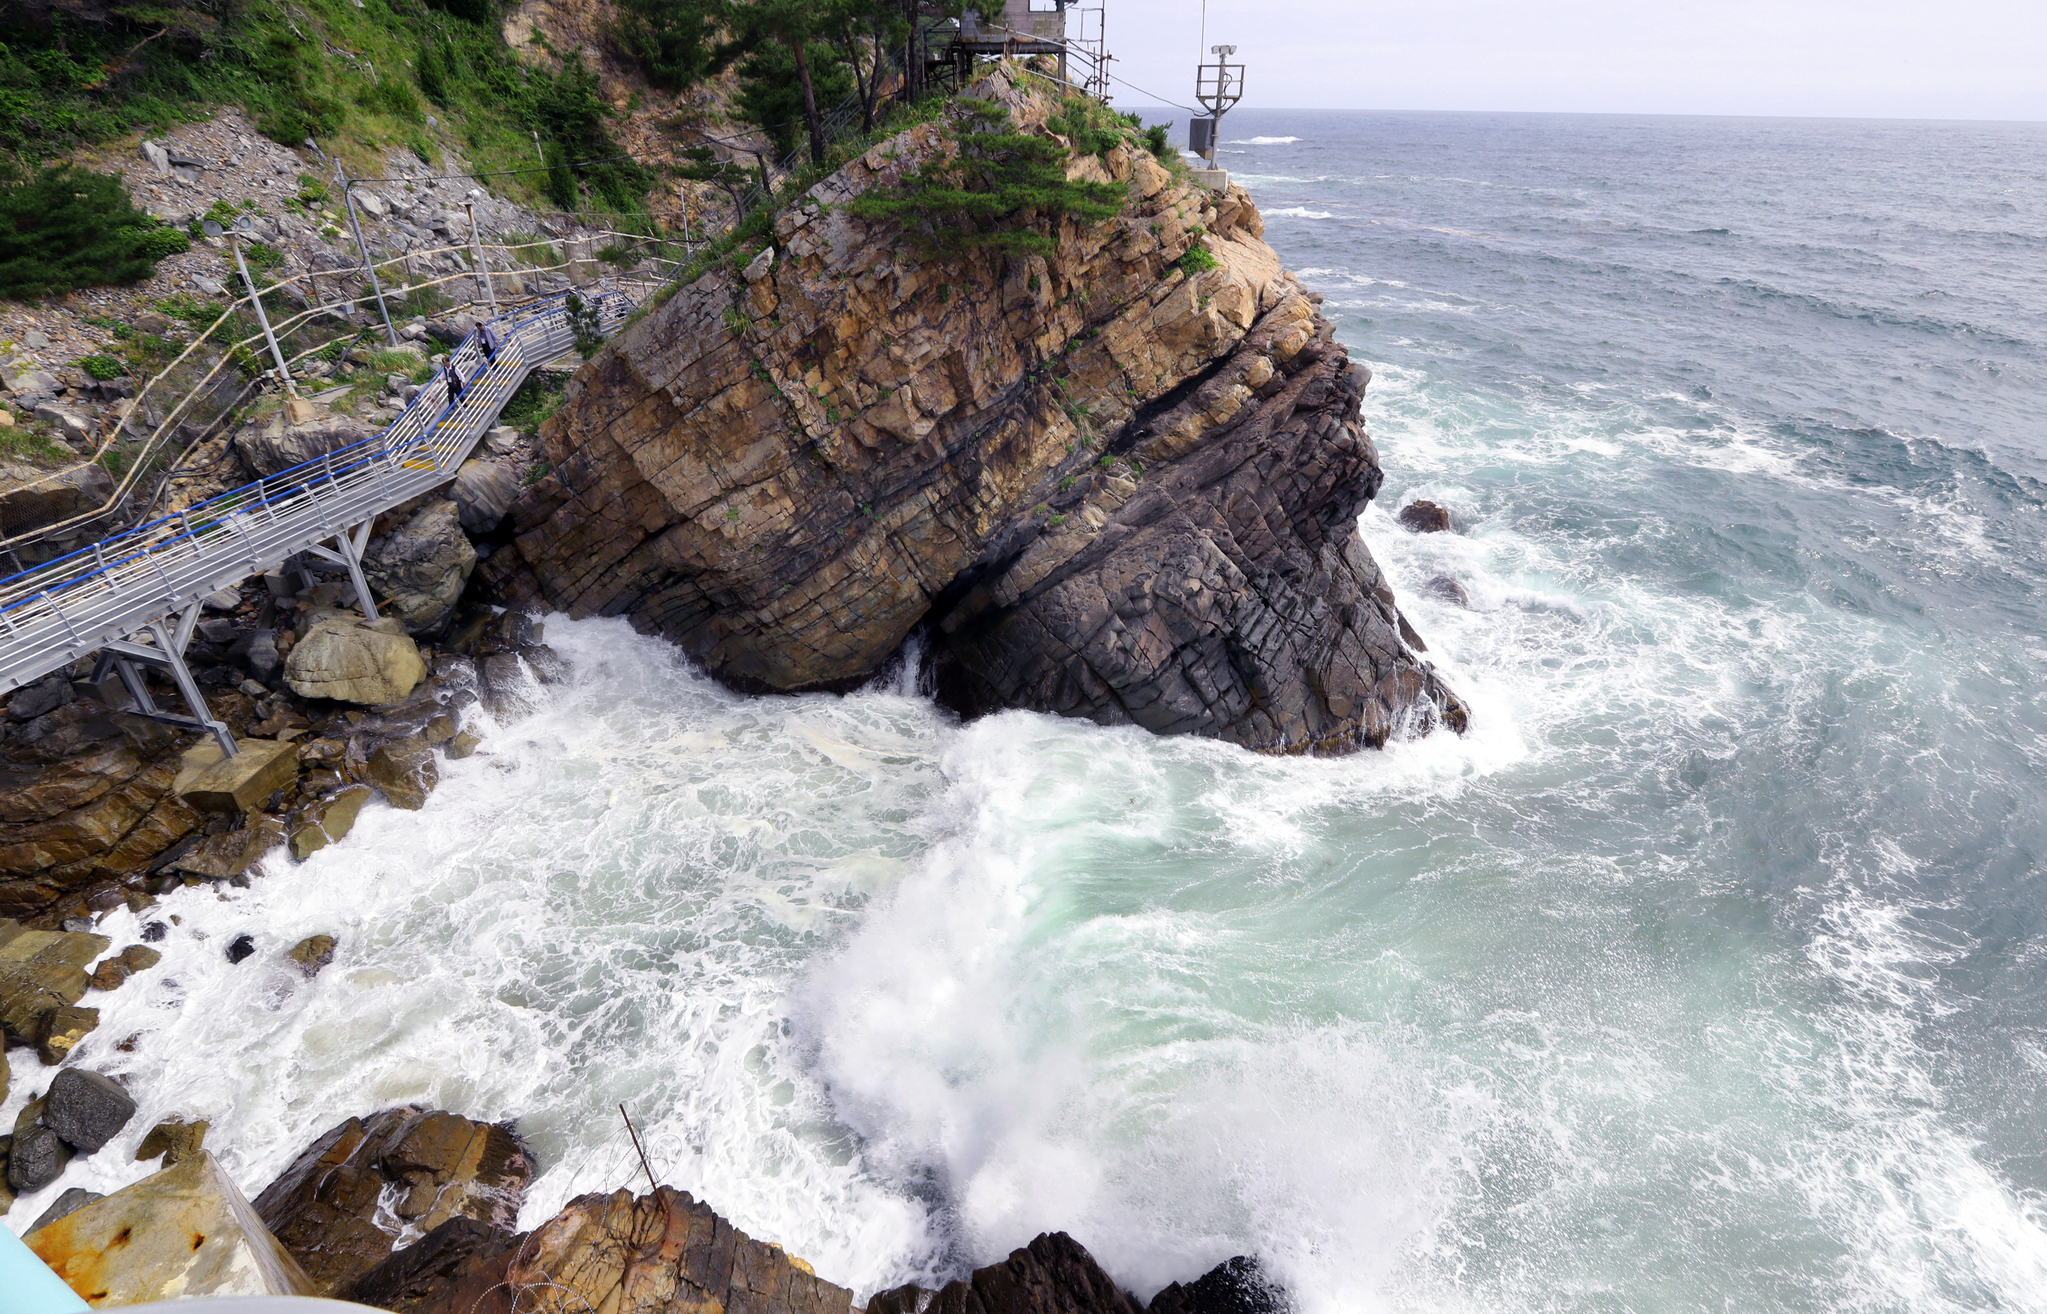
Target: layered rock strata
(351,1198)
(1119,481)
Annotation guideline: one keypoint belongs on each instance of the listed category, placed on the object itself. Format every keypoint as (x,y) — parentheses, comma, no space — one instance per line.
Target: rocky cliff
(1117,481)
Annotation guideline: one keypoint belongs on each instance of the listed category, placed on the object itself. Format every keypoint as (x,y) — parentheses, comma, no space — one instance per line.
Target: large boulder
(404,770)
(329,1208)
(86,1109)
(181,1232)
(421,566)
(279,446)
(36,1158)
(1235,1286)
(213,782)
(41,971)
(1118,481)
(343,658)
(31,498)
(1054,1274)
(483,492)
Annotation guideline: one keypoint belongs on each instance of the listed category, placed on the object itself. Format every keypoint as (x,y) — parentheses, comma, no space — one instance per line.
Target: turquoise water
(1704,974)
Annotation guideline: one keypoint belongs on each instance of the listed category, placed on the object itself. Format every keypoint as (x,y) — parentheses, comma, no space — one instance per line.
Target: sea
(1707,972)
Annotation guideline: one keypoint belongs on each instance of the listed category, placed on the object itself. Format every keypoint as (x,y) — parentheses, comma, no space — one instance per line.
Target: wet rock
(507,687)
(279,446)
(184,1231)
(112,973)
(86,1109)
(1425,518)
(41,971)
(463,744)
(440,1166)
(175,1139)
(213,782)
(421,567)
(59,1031)
(548,666)
(344,659)
(483,492)
(36,1158)
(232,853)
(1449,590)
(404,770)
(427,1274)
(1235,1286)
(312,953)
(70,1202)
(241,948)
(327,820)
(1052,1275)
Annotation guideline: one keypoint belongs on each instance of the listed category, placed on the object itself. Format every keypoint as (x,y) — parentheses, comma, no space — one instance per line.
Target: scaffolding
(1074,32)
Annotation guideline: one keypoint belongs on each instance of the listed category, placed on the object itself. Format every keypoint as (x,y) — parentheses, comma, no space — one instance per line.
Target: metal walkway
(148,581)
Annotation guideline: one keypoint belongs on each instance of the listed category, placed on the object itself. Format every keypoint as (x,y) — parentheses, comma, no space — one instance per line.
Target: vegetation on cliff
(1002,186)
(62,228)
(356,77)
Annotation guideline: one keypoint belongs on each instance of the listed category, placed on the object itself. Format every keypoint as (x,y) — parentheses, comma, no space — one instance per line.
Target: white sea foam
(1264,141)
(1299,212)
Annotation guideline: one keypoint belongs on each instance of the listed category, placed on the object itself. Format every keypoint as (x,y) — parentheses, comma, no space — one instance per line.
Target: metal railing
(59,611)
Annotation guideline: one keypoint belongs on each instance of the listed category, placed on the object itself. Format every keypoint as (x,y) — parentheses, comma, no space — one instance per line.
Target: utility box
(1201,137)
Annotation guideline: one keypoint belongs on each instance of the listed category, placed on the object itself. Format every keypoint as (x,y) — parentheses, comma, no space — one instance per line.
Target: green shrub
(994,192)
(1155,141)
(63,227)
(161,242)
(102,367)
(1198,261)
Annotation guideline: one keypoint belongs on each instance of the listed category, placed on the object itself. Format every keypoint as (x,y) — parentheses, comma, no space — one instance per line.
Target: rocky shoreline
(1118,482)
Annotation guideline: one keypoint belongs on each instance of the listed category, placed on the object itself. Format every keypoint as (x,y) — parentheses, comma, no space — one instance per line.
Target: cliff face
(1112,484)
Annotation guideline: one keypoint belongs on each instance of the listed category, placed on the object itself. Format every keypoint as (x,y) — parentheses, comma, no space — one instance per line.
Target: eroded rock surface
(183,1231)
(420,566)
(324,1208)
(664,1253)
(1119,481)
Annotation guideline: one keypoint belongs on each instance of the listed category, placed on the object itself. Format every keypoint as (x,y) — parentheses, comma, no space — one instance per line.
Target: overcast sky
(1951,59)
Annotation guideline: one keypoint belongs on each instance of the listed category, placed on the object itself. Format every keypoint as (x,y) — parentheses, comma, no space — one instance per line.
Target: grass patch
(538,398)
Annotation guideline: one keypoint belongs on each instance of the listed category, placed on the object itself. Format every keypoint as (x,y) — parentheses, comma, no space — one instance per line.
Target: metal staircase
(149,581)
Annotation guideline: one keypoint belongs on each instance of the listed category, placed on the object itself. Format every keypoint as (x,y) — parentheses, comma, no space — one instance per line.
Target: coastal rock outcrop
(664,1253)
(329,1208)
(420,566)
(183,1231)
(351,661)
(1116,481)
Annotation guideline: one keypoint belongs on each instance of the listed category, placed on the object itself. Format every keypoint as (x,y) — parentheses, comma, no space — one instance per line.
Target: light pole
(1217,86)
(348,204)
(296,408)
(482,269)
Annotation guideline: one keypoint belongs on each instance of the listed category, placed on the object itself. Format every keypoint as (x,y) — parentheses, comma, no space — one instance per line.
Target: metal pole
(348,204)
(292,404)
(482,269)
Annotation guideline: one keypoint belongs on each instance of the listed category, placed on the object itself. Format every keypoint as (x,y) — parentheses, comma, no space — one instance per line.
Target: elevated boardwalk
(147,582)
